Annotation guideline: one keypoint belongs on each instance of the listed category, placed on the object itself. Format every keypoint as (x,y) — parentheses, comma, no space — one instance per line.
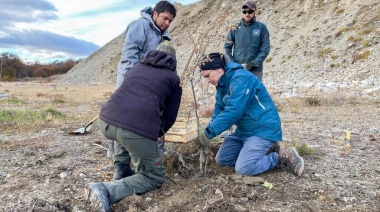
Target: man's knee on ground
(249,169)
(242,170)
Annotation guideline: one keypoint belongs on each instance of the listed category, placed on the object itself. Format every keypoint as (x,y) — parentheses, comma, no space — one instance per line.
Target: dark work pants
(144,155)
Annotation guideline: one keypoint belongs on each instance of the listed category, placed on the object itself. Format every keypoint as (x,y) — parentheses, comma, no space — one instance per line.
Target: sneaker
(122,170)
(98,196)
(291,157)
(274,148)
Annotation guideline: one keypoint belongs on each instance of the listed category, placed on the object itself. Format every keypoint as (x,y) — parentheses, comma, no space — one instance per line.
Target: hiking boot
(98,196)
(122,170)
(274,148)
(289,156)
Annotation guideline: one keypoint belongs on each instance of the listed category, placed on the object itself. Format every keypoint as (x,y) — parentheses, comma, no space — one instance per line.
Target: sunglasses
(248,11)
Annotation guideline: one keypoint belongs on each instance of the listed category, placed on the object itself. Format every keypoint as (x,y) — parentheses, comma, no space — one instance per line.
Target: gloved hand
(250,65)
(202,141)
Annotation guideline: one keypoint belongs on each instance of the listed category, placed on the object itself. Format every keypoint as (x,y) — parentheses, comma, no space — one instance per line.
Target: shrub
(53,111)
(366,43)
(340,32)
(361,56)
(339,11)
(304,149)
(59,98)
(325,52)
(40,95)
(351,38)
(366,31)
(313,101)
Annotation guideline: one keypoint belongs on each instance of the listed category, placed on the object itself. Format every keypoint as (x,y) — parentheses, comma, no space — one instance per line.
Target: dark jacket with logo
(248,43)
(148,100)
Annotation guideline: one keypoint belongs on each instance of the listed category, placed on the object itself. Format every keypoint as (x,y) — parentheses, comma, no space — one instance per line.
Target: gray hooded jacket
(141,36)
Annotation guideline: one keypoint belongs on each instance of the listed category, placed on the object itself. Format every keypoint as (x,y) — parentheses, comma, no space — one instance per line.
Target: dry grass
(35,105)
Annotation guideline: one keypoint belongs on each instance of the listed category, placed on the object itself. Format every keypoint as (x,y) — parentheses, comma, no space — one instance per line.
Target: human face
(162,20)
(212,76)
(248,14)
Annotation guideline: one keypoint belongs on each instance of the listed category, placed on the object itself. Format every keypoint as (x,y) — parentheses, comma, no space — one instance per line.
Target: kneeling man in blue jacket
(242,100)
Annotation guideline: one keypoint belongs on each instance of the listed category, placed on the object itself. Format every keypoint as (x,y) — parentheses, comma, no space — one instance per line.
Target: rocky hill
(316,45)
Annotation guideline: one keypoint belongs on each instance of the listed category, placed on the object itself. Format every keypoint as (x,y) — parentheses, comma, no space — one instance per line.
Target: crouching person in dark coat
(140,111)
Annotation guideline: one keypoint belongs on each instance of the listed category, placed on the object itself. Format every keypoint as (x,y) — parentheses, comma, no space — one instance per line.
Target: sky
(50,30)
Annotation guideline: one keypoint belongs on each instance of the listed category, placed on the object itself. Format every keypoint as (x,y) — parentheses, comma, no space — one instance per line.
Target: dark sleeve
(171,109)
(228,45)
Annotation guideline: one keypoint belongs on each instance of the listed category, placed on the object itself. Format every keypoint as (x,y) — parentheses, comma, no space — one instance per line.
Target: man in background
(248,41)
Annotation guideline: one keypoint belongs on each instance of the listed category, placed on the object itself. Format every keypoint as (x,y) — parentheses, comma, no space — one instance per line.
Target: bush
(304,149)
(361,56)
(313,101)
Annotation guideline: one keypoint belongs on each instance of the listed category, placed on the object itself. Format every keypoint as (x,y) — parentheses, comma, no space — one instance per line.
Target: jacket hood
(229,72)
(233,66)
(147,13)
(160,59)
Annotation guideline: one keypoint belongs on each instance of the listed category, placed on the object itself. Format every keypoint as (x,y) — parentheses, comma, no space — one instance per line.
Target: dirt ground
(44,168)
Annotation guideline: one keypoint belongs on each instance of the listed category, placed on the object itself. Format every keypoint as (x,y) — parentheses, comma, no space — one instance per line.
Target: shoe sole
(299,168)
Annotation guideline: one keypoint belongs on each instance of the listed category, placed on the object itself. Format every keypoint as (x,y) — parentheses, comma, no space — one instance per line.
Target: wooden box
(183,130)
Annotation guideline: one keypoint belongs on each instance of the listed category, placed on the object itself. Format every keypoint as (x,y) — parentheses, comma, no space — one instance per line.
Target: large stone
(253,180)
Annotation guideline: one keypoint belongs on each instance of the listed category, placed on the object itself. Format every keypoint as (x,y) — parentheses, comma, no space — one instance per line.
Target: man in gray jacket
(144,35)
(141,36)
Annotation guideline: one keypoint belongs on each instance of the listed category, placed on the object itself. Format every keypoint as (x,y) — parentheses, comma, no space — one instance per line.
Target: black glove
(251,65)
(202,141)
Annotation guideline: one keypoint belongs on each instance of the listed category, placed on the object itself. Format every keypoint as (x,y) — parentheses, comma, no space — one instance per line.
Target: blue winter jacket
(248,43)
(242,99)
(141,36)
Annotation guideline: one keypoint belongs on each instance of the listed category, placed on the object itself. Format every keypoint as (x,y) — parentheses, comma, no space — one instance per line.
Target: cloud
(47,30)
(16,32)
(14,11)
(46,40)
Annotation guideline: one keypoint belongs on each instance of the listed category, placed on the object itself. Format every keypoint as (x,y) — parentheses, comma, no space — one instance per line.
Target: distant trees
(13,68)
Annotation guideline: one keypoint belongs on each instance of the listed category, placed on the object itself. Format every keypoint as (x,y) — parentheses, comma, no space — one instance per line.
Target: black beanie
(212,61)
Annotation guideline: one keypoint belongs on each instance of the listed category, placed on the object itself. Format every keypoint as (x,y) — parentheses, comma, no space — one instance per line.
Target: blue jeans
(247,154)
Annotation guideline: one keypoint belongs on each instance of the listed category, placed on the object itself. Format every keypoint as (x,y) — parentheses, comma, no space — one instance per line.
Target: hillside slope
(315,45)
